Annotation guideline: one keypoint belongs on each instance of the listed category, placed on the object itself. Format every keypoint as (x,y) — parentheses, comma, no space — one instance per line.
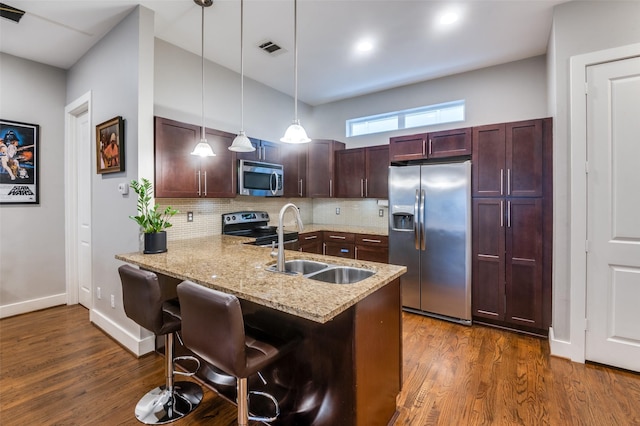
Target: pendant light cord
(202,56)
(295,59)
(241,65)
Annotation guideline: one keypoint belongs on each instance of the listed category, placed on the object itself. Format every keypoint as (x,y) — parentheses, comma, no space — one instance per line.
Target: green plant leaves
(149,218)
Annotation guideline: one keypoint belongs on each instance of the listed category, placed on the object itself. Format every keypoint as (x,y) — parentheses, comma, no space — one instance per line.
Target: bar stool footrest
(261,418)
(187,358)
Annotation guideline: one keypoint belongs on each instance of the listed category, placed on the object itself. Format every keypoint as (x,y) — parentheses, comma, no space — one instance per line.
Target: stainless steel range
(255,224)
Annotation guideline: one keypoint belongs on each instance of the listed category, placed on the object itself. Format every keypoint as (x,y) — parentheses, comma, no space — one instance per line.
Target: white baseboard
(563,349)
(135,345)
(32,305)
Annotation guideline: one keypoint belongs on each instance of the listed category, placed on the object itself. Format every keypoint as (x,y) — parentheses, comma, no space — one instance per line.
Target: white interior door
(613,214)
(84,165)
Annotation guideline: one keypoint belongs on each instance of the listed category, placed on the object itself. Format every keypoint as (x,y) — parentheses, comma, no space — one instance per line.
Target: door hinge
(586,88)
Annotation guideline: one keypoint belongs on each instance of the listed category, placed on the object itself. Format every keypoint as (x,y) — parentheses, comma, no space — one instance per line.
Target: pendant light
(241,143)
(295,132)
(203,149)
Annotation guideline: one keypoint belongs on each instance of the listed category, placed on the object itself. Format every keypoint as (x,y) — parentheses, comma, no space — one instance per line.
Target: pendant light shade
(241,143)
(295,133)
(203,149)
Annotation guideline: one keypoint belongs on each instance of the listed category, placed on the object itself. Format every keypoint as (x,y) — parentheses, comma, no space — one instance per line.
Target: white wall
(118,71)
(578,27)
(32,239)
(178,96)
(509,92)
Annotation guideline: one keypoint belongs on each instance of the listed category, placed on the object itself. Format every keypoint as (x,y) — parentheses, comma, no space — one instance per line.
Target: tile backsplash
(356,212)
(207,213)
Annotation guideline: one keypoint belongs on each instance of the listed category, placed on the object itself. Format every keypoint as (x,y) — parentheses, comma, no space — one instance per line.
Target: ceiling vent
(271,48)
(10,12)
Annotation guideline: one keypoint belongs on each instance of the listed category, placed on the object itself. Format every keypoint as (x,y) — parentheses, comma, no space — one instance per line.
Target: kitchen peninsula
(346,369)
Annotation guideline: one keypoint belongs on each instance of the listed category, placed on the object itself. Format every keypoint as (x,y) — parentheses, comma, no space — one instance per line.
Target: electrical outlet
(189,216)
(113,301)
(381,212)
(337,210)
(99,293)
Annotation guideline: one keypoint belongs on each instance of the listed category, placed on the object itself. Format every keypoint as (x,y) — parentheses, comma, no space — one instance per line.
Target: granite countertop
(224,263)
(341,228)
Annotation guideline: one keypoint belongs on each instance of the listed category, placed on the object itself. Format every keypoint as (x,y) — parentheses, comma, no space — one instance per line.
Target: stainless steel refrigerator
(430,233)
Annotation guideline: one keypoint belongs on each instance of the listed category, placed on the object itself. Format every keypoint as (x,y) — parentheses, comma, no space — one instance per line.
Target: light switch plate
(123,188)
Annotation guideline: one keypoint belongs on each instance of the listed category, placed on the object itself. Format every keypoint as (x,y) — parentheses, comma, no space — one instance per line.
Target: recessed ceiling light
(364,46)
(449,18)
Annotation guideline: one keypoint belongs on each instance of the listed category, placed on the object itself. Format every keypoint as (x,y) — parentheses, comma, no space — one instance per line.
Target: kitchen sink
(300,266)
(341,275)
(319,271)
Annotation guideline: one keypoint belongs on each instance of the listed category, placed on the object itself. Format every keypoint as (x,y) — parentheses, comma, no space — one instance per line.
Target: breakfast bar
(346,368)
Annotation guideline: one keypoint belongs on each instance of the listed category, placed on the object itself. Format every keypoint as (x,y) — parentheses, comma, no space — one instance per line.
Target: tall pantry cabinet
(512,215)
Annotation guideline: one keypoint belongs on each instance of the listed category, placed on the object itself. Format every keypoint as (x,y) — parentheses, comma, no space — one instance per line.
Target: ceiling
(409,44)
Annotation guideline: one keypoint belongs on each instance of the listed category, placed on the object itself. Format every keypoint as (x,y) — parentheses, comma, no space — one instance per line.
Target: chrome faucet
(296,212)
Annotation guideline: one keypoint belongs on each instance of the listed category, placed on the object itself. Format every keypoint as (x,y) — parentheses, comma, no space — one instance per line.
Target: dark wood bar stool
(157,309)
(214,329)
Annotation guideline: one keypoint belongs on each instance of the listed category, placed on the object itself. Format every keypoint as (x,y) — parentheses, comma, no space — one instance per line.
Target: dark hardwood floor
(58,369)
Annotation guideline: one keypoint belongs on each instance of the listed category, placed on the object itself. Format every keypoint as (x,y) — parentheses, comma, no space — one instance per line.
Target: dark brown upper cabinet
(294,160)
(424,146)
(268,152)
(507,159)
(321,167)
(362,172)
(178,174)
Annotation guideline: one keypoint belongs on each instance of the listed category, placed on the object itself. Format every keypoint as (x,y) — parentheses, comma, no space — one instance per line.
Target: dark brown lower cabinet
(310,242)
(373,248)
(369,247)
(508,262)
(339,244)
(346,250)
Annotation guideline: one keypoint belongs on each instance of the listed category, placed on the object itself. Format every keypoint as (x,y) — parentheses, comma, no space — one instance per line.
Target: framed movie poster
(110,146)
(19,162)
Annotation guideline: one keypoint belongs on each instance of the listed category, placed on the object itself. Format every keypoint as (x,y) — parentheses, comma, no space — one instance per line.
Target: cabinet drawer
(372,254)
(337,237)
(315,247)
(339,249)
(310,242)
(309,237)
(372,240)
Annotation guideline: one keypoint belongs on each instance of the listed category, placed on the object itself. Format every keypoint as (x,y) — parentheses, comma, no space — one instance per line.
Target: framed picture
(19,145)
(110,146)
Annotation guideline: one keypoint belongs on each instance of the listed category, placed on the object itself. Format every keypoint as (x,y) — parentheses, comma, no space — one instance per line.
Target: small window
(429,115)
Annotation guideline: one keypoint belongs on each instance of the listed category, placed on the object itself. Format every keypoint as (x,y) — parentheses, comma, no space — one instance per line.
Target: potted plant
(152,222)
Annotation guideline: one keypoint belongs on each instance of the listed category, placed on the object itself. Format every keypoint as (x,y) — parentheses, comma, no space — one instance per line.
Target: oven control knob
(233,217)
(227,218)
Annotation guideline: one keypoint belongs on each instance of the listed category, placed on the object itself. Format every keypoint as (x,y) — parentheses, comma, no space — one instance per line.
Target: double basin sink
(325,272)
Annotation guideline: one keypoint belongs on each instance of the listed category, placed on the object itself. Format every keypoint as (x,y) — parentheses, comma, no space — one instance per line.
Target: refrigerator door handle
(416,219)
(423,237)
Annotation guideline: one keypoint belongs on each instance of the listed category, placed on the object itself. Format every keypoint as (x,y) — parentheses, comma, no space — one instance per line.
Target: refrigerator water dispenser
(402,221)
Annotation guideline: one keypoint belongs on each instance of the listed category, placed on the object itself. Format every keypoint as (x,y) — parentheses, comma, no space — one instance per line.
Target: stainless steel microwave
(260,179)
